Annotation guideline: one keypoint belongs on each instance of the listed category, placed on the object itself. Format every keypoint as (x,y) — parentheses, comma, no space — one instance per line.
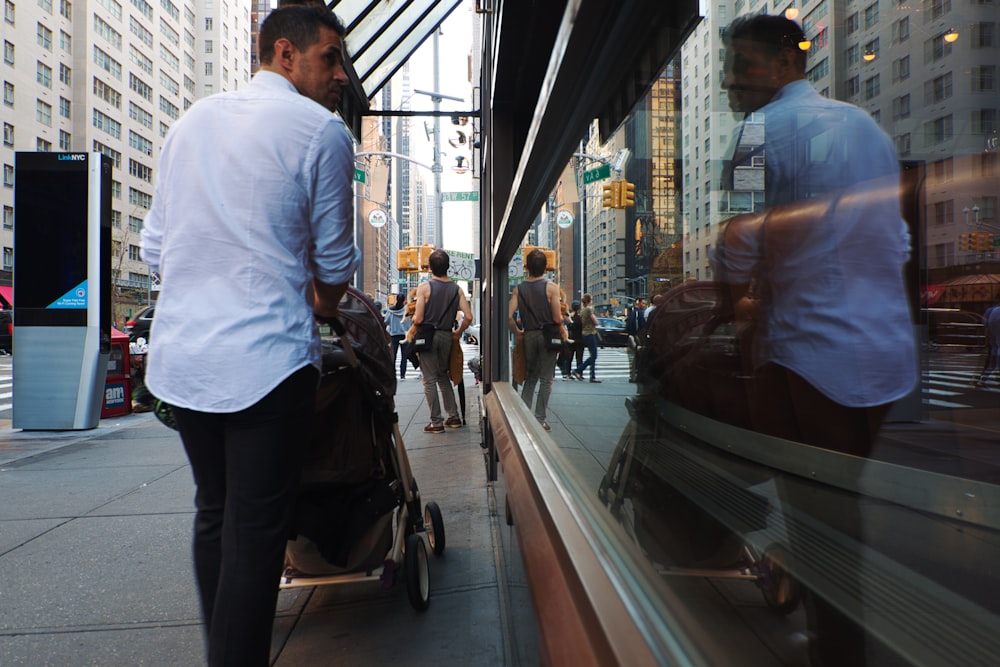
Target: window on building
(943,212)
(43,112)
(65,141)
(43,74)
(65,109)
(43,145)
(901,30)
(938,130)
(8,52)
(871,15)
(43,37)
(852,23)
(901,107)
(852,54)
(936,48)
(66,9)
(65,75)
(902,142)
(8,134)
(943,170)
(8,217)
(983,78)
(901,69)
(46,5)
(8,175)
(938,89)
(8,258)
(983,35)
(8,94)
(872,87)
(984,121)
(934,9)
(8,11)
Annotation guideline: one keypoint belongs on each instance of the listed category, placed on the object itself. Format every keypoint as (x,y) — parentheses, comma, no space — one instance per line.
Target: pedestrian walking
(537,301)
(438,302)
(588,323)
(397,323)
(253,210)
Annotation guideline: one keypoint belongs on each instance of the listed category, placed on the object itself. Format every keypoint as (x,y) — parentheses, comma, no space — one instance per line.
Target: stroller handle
(345,339)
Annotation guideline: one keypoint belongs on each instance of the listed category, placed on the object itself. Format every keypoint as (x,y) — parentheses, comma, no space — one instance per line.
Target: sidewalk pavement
(95,567)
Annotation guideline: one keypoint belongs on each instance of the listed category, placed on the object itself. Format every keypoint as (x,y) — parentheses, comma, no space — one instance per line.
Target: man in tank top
(438,302)
(536,300)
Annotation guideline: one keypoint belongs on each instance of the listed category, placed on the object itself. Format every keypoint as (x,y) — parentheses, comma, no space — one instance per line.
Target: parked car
(6,332)
(138,326)
(954,328)
(611,332)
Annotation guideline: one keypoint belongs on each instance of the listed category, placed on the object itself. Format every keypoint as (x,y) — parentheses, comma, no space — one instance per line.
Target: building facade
(111,77)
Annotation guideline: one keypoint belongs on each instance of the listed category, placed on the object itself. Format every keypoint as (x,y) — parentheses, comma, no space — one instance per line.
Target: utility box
(62,288)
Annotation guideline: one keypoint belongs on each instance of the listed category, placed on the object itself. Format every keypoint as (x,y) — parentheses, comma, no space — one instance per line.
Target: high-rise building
(108,76)
(926,71)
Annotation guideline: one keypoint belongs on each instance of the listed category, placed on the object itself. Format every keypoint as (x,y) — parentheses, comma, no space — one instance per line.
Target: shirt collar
(273,80)
(797,88)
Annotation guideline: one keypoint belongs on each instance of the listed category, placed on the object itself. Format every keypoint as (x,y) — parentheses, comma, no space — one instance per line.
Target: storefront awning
(381,35)
(6,297)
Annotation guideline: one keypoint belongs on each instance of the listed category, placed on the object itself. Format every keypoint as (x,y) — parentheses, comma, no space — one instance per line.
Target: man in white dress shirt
(253,210)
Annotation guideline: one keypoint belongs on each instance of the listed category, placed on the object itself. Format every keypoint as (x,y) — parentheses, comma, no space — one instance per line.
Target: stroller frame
(414,533)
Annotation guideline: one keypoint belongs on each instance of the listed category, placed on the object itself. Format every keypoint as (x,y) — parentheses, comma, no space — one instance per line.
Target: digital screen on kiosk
(50,233)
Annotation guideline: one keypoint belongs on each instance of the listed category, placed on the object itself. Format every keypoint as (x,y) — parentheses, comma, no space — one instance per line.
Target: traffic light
(407,259)
(424,255)
(611,195)
(550,259)
(965,242)
(627,194)
(984,242)
(550,256)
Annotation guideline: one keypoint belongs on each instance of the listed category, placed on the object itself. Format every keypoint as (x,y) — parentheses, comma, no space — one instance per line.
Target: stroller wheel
(418,580)
(780,590)
(434,525)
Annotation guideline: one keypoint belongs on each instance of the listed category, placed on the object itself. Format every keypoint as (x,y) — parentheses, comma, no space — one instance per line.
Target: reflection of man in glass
(834,334)
(821,273)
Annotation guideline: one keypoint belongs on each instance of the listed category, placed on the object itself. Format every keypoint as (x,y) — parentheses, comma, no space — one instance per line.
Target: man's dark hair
(769,34)
(299,24)
(535,261)
(439,263)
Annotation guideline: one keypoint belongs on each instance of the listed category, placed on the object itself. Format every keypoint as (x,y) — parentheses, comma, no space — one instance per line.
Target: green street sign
(359,175)
(996,241)
(604,171)
(460,196)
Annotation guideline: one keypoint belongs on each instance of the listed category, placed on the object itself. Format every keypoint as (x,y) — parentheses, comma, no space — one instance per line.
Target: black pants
(246,468)
(399,343)
(787,406)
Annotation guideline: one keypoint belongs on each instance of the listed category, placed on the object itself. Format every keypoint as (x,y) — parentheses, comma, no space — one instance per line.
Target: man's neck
(444,279)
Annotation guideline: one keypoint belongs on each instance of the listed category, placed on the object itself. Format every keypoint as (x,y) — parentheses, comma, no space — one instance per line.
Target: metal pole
(436,168)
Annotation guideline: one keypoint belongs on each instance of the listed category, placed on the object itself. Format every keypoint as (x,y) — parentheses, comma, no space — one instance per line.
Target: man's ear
(284,53)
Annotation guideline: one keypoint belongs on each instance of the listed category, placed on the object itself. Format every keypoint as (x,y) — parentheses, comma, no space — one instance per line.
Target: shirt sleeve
(335,257)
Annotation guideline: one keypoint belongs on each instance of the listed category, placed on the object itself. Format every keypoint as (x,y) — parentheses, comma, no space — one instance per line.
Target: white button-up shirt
(254,197)
(835,305)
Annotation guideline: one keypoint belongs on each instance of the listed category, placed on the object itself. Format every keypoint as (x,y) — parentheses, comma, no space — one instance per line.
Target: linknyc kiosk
(62,289)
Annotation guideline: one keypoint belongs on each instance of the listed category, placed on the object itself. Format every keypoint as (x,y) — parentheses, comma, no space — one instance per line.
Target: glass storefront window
(803,447)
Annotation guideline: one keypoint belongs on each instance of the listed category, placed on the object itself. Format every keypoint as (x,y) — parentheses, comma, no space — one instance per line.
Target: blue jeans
(590,342)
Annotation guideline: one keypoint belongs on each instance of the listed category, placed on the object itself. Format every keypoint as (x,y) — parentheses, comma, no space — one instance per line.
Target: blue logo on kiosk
(75,298)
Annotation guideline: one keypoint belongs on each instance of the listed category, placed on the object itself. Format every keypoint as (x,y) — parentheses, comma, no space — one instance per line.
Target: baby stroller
(691,354)
(358,515)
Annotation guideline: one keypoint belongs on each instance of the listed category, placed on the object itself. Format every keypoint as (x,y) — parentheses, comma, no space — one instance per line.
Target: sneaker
(434,428)
(545,425)
(577,376)
(453,422)
(402,377)
(594,380)
(565,377)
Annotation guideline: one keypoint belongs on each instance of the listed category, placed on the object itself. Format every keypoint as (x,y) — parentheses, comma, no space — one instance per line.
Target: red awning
(6,296)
